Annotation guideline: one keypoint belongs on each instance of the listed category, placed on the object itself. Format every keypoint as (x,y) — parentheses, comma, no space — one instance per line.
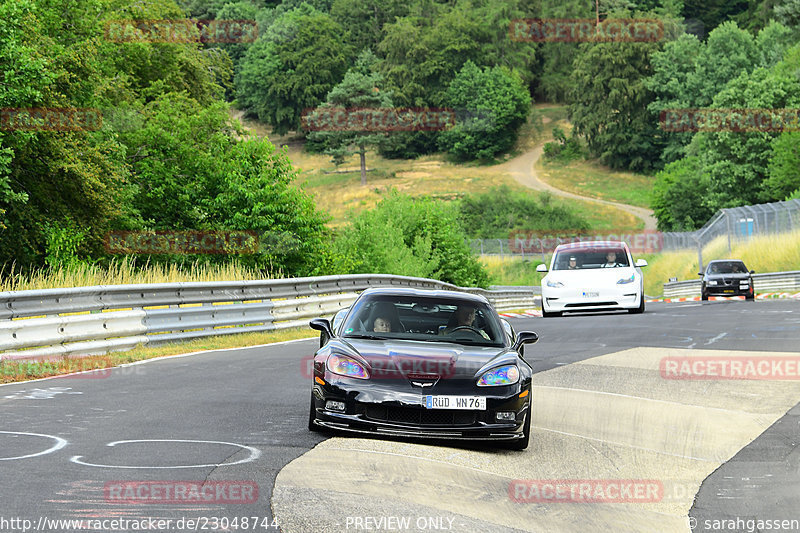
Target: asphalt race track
(217,441)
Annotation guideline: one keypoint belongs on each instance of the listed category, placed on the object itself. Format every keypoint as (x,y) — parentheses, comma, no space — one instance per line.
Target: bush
(563,149)
(411,237)
(497,213)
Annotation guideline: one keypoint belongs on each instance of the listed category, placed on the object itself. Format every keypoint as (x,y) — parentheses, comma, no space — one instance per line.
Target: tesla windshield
(590,257)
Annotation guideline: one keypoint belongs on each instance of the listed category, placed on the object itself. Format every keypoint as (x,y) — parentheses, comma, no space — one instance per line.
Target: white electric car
(592,276)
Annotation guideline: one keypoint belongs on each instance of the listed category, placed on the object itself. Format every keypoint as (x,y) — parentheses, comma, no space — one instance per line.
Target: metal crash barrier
(47,323)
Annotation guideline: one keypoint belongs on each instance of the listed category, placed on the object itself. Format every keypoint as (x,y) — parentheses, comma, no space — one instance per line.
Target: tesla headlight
(502,375)
(623,281)
(554,284)
(346,366)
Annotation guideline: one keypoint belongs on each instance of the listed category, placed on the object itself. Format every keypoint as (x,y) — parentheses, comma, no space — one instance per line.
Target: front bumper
(387,411)
(729,290)
(569,299)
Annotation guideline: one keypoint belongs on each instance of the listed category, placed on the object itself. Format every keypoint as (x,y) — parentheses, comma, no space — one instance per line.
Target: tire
(549,314)
(312,415)
(521,444)
(750,297)
(639,310)
(704,296)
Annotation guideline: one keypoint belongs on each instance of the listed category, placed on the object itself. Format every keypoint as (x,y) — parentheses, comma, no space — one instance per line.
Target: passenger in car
(384,315)
(382,325)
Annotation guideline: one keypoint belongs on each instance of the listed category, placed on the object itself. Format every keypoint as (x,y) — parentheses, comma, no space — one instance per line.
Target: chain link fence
(735,224)
(738,224)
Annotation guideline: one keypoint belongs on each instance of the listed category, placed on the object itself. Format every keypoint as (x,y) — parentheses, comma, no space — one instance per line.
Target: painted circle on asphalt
(59,443)
(255,453)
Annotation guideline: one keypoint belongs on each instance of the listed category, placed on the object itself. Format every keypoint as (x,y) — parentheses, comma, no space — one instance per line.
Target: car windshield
(727,267)
(424,318)
(590,257)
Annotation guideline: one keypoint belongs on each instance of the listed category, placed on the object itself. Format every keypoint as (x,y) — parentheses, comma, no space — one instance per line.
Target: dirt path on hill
(523,170)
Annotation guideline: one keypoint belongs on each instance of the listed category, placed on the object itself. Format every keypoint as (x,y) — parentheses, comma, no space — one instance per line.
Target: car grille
(419,417)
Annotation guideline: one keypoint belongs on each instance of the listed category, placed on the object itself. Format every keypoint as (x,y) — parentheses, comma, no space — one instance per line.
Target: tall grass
(512,270)
(123,271)
(768,253)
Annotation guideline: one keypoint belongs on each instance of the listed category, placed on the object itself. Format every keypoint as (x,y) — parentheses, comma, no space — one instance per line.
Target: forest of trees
(168,155)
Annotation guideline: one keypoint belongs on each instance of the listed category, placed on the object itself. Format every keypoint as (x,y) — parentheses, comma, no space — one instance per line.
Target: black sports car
(420,363)
(728,277)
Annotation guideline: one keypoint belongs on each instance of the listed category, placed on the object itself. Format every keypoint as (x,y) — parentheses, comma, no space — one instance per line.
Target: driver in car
(464,317)
(611,260)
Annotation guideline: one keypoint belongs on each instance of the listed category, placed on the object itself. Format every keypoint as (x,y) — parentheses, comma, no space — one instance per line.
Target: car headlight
(346,366)
(554,284)
(502,375)
(712,282)
(623,281)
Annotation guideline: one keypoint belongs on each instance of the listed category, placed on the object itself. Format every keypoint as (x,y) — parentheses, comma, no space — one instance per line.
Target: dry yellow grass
(122,271)
(769,253)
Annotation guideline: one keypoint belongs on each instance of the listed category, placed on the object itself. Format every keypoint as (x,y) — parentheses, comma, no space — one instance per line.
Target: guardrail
(768,282)
(48,323)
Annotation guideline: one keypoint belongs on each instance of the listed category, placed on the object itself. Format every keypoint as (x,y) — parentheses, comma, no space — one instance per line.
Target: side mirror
(525,337)
(699,273)
(323,325)
(752,271)
(641,262)
(541,268)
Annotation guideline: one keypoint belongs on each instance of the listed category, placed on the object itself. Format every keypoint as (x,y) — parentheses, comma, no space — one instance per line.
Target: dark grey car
(727,277)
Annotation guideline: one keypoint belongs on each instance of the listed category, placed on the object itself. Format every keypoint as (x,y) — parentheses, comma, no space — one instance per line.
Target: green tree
(291,68)
(783,176)
(191,171)
(609,104)
(362,87)
(365,19)
(500,104)
(678,196)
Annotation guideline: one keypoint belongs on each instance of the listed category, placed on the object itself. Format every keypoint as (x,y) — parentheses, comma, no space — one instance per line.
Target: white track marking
(60,443)
(255,453)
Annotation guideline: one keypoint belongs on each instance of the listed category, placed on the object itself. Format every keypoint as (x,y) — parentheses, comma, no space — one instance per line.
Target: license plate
(472,403)
(728,290)
(591,294)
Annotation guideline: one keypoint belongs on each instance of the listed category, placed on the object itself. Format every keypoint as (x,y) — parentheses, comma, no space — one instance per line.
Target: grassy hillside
(338,191)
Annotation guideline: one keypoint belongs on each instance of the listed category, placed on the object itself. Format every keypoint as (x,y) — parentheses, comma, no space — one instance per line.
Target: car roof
(725,261)
(427,293)
(591,244)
